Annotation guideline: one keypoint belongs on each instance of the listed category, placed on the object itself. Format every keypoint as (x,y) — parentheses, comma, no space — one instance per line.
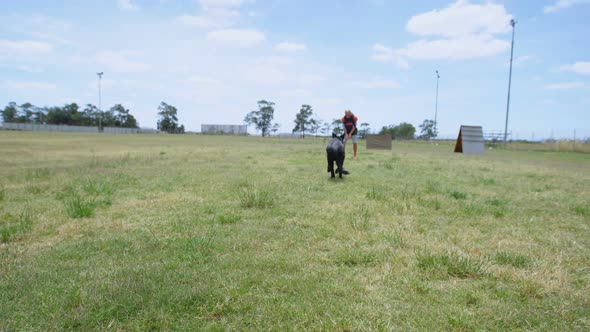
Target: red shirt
(350,124)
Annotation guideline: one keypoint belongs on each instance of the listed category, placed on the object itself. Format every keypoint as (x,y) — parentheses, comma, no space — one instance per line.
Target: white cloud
(221,3)
(459,48)
(264,74)
(236,37)
(127,5)
(214,18)
(523,59)
(467,32)
(378,83)
(565,86)
(24,48)
(296,93)
(28,85)
(289,47)
(28,69)
(578,67)
(51,37)
(461,18)
(563,4)
(386,54)
(118,61)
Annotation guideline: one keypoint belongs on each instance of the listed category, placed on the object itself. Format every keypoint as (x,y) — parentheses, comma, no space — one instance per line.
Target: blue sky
(214,59)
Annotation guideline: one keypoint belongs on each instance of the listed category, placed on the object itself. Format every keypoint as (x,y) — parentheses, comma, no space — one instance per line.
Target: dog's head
(341,137)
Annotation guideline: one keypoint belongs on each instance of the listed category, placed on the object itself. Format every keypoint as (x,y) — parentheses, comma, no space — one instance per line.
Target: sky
(215,59)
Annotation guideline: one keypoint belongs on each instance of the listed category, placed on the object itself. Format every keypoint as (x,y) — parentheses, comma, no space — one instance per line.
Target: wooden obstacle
(470,140)
(378,142)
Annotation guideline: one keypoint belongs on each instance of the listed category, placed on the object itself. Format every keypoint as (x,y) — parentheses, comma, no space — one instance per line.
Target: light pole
(436,103)
(512,23)
(99,101)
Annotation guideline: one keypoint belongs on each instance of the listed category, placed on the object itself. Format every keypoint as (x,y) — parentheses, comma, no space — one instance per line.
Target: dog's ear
(334,135)
(342,137)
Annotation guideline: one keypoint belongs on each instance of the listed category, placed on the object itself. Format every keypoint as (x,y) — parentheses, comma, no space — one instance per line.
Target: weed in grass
(375,194)
(472,209)
(96,187)
(78,207)
(499,213)
(471,299)
(227,219)
(458,195)
(390,163)
(251,196)
(489,181)
(516,260)
(408,193)
(451,264)
(433,203)
(2,193)
(432,187)
(397,239)
(354,256)
(528,289)
(419,287)
(38,173)
(210,209)
(495,202)
(33,189)
(460,323)
(582,210)
(12,226)
(360,220)
(199,247)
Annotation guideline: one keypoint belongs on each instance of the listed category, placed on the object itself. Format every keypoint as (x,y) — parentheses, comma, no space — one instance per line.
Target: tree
(122,117)
(326,128)
(337,126)
(364,130)
(262,118)
(90,116)
(10,112)
(39,115)
(303,120)
(427,130)
(316,126)
(67,115)
(402,131)
(168,119)
(275,127)
(27,111)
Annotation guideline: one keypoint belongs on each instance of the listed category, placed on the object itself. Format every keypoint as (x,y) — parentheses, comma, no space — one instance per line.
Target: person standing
(350,131)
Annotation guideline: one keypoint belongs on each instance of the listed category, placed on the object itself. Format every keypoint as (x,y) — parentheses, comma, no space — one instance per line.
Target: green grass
(166,232)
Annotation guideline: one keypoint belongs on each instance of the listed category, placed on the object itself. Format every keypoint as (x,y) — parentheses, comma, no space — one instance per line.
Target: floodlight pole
(99,100)
(436,102)
(512,23)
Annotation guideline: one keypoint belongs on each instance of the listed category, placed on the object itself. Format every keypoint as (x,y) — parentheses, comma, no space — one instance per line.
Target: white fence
(66,128)
(224,129)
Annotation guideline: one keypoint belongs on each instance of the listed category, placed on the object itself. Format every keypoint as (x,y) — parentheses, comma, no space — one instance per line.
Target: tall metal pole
(512,23)
(436,103)
(99,101)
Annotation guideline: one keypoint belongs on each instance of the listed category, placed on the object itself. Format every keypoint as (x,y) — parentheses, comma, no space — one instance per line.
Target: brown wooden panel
(378,142)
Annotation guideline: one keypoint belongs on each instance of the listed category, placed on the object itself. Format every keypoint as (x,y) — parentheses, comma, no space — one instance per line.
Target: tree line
(70,114)
(118,116)
(90,116)
(306,122)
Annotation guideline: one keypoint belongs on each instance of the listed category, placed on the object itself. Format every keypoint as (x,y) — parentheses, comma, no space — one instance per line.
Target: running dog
(335,153)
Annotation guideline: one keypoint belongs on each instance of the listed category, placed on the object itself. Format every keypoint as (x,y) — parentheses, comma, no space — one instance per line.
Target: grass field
(166,232)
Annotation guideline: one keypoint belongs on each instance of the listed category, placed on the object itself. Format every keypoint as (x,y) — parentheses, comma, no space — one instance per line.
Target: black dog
(335,151)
